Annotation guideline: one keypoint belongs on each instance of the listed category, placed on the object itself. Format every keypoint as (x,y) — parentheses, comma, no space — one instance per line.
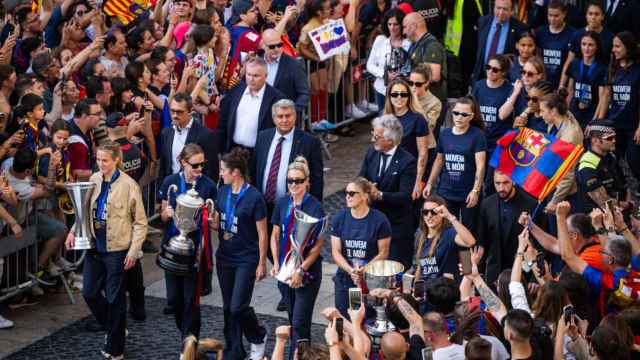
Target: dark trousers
(236,284)
(105,271)
(342,282)
(135,288)
(467,216)
(181,296)
(300,303)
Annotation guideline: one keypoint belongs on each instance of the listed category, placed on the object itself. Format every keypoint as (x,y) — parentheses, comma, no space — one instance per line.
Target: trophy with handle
(381,274)
(305,228)
(80,196)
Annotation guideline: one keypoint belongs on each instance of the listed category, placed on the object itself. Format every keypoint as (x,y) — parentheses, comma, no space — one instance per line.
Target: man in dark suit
(284,72)
(498,228)
(619,16)
(392,170)
(496,35)
(295,143)
(184,131)
(254,98)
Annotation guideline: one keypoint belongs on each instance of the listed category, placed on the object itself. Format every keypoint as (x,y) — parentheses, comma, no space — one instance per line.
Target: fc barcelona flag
(534,161)
(125,10)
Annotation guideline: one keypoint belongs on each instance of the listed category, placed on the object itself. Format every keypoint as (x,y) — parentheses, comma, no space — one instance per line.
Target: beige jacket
(570,132)
(430,107)
(126,217)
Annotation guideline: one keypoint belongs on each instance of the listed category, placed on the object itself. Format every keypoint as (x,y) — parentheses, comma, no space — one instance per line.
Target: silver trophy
(178,255)
(381,274)
(306,227)
(80,195)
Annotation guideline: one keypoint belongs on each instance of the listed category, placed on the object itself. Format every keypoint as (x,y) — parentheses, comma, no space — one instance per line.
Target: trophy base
(83,243)
(175,262)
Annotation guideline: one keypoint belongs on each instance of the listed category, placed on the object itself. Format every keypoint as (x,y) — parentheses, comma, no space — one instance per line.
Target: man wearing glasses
(87,115)
(598,174)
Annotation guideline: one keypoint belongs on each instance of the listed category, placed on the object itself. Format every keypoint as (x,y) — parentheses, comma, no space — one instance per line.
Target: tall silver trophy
(306,227)
(80,195)
(381,274)
(178,256)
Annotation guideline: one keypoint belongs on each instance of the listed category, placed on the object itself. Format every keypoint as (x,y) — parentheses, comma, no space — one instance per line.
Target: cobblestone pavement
(155,338)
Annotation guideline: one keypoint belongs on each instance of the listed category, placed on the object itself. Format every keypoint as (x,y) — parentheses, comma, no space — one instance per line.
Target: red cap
(406,8)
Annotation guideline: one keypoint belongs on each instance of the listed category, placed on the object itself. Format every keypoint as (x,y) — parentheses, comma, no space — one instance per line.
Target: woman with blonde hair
(301,289)
(118,227)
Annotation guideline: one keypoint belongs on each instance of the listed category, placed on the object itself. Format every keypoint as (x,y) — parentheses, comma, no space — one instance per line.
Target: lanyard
(584,78)
(102,199)
(230,209)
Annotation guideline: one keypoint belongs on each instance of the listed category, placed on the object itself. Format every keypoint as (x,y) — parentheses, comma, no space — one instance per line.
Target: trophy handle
(211,207)
(171,190)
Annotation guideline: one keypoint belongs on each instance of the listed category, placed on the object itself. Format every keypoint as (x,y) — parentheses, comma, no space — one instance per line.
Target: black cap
(600,128)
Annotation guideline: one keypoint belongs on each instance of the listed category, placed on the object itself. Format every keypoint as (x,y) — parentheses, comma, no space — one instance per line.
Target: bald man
(393,346)
(284,72)
(426,49)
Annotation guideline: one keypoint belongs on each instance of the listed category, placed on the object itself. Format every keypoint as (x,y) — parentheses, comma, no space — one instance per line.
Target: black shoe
(94,326)
(168,310)
(281,306)
(149,248)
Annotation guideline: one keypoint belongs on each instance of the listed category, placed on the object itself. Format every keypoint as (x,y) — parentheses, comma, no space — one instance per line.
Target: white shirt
(451,352)
(285,153)
(498,351)
(247,118)
(109,65)
(390,154)
(378,59)
(179,140)
(272,70)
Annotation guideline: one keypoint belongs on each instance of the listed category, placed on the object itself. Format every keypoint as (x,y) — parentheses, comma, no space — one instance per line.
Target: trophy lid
(190,199)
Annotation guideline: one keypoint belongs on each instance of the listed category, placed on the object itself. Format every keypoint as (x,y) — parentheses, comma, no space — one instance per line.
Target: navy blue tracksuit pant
(181,296)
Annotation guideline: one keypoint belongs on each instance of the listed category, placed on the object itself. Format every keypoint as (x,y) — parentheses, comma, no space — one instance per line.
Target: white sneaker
(76,277)
(257,350)
(369,106)
(36,290)
(5,323)
(53,269)
(65,264)
(356,112)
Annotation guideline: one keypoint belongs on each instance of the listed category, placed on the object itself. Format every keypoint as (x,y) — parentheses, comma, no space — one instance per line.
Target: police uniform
(594,171)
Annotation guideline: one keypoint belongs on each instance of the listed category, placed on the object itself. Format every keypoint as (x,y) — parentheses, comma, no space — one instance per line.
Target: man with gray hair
(392,172)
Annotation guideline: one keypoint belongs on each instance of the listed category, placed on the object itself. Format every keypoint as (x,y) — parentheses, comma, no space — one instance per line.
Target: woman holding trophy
(242,254)
(183,289)
(299,264)
(359,235)
(118,227)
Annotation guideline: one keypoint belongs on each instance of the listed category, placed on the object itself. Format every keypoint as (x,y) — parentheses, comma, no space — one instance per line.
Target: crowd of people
(232,101)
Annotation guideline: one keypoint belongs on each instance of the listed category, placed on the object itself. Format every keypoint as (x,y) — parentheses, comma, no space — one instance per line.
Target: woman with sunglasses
(532,72)
(380,63)
(439,236)
(401,103)
(183,292)
(563,125)
(430,107)
(624,80)
(359,235)
(554,40)
(300,294)
(587,75)
(530,116)
(242,254)
(460,164)
(526,46)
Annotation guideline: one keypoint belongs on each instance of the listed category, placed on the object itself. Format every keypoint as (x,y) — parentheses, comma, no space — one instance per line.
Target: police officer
(598,175)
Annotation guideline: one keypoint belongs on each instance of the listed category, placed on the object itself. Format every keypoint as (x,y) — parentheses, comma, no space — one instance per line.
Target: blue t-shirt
(205,187)
(490,100)
(587,79)
(515,71)
(242,247)
(100,213)
(359,237)
(459,168)
(606,39)
(554,48)
(53,37)
(444,259)
(283,217)
(415,126)
(602,282)
(623,107)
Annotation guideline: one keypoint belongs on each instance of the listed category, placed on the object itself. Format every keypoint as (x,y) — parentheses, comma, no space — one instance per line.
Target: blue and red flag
(533,160)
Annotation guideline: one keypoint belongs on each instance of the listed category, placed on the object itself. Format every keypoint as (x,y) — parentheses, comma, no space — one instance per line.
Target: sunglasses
(416,83)
(531,98)
(291,181)
(528,73)
(609,138)
(427,212)
(399,94)
(462,114)
(198,165)
(275,46)
(352,193)
(492,69)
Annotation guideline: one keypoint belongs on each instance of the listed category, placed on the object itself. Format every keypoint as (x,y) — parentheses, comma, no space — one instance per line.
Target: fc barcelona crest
(527,147)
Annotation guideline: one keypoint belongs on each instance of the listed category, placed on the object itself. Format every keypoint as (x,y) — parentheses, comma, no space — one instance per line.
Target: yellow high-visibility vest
(453,36)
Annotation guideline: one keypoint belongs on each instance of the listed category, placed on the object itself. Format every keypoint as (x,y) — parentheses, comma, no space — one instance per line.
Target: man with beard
(499,215)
